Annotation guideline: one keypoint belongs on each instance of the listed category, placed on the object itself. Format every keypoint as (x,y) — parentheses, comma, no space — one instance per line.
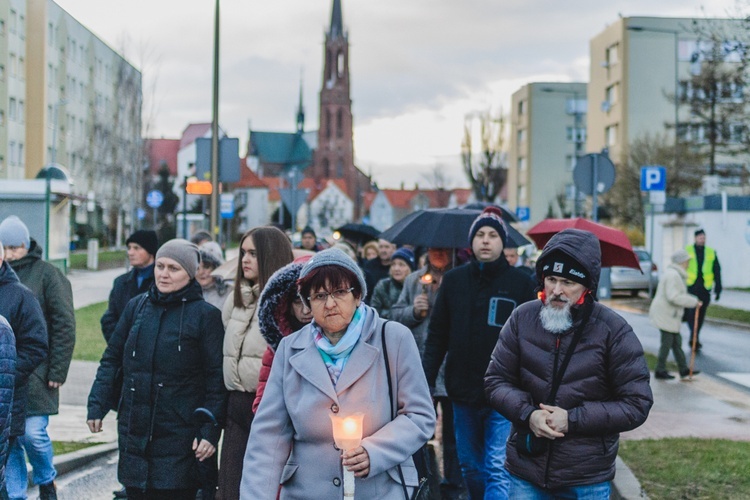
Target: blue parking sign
(653,178)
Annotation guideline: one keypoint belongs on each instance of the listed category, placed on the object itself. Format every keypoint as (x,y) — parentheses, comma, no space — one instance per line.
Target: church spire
(337,28)
(300,109)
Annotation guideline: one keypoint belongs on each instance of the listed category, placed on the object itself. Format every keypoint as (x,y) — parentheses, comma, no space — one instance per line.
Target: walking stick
(695,343)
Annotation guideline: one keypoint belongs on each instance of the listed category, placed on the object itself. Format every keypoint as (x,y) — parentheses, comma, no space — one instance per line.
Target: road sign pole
(595,190)
(651,252)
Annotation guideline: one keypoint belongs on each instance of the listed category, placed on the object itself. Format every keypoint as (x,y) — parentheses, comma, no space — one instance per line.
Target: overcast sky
(418,67)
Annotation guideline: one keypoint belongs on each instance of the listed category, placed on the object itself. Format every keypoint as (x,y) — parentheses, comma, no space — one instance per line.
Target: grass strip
(90,343)
(720,312)
(690,468)
(108,259)
(62,447)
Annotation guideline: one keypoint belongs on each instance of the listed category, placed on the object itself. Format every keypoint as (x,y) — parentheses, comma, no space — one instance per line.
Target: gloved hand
(718,294)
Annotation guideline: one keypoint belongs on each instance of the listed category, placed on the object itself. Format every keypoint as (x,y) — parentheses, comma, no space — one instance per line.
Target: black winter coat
(124,288)
(7,383)
(171,357)
(472,304)
(22,310)
(605,388)
(52,290)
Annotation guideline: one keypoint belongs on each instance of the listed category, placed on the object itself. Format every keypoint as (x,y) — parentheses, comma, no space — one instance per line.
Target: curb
(68,462)
(625,485)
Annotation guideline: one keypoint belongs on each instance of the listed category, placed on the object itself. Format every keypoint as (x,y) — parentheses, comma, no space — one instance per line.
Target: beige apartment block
(70,99)
(638,65)
(547,132)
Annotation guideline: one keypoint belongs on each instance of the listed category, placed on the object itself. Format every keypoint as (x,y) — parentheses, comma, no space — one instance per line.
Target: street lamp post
(214,218)
(675,34)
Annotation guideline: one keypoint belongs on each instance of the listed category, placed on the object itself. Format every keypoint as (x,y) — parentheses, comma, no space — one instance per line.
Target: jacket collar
(309,364)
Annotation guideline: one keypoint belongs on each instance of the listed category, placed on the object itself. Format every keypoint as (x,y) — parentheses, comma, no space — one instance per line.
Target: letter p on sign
(653,178)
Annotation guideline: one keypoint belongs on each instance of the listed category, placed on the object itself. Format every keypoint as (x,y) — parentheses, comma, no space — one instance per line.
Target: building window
(13,23)
(329,119)
(340,168)
(21,159)
(2,72)
(21,112)
(21,27)
(521,136)
(340,123)
(2,118)
(521,108)
(21,68)
(2,27)
(576,105)
(326,168)
(13,64)
(573,134)
(611,94)
(610,136)
(12,153)
(522,195)
(13,109)
(340,64)
(51,35)
(570,162)
(521,164)
(612,55)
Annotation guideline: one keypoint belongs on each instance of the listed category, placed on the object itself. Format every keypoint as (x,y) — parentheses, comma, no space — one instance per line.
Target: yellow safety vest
(709,257)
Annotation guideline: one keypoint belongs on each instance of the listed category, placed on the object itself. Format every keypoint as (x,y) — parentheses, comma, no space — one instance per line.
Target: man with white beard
(570,375)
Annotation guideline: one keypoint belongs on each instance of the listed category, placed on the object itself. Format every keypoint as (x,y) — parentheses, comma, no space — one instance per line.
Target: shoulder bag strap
(390,400)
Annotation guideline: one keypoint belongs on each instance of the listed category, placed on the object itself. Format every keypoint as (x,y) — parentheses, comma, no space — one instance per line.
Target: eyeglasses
(322,297)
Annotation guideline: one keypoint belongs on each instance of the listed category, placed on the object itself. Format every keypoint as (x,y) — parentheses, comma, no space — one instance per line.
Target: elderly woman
(336,365)
(388,290)
(215,289)
(167,346)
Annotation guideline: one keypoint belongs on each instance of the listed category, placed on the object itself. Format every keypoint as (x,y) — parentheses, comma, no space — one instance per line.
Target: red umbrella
(616,248)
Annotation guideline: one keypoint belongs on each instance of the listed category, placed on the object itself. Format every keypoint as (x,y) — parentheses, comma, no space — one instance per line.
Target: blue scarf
(336,356)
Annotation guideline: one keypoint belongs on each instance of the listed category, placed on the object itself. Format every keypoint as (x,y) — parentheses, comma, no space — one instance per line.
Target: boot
(48,491)
(686,373)
(663,375)
(122,493)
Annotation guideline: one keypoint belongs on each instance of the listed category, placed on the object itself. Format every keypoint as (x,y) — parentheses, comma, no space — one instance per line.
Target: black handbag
(527,443)
(421,457)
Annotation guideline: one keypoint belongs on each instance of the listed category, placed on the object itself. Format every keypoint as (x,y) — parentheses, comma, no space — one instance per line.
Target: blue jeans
(481,434)
(524,490)
(38,447)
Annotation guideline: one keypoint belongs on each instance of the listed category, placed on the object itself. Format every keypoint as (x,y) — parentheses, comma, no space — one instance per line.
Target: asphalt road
(96,481)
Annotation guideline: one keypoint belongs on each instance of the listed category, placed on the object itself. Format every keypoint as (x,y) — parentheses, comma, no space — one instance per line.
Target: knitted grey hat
(14,233)
(211,254)
(185,253)
(335,257)
(680,256)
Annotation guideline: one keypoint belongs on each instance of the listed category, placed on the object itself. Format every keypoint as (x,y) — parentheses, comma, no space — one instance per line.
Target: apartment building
(547,133)
(638,66)
(68,98)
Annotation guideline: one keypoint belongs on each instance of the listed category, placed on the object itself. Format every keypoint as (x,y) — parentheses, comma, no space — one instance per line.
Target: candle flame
(426,279)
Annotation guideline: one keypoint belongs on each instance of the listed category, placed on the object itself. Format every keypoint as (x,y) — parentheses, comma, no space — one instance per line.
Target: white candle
(347,434)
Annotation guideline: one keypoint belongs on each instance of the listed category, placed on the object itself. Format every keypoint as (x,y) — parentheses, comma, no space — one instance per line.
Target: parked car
(635,280)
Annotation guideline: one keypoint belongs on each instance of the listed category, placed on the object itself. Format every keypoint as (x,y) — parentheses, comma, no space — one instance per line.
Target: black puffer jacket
(7,383)
(473,302)
(605,388)
(171,360)
(22,310)
(124,288)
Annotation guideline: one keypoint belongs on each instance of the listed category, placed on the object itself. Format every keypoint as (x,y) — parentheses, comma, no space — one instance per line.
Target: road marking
(737,378)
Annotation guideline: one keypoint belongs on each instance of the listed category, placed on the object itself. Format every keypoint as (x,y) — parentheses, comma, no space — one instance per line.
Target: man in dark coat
(23,312)
(53,291)
(7,383)
(565,444)
(142,247)
(472,304)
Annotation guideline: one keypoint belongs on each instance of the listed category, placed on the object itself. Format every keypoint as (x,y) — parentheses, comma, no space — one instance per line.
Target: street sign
(293,198)
(154,198)
(583,174)
(653,178)
(229,159)
(523,214)
(226,204)
(199,187)
(141,213)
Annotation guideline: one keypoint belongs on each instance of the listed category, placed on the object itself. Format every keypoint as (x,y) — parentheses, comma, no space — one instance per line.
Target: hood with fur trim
(275,300)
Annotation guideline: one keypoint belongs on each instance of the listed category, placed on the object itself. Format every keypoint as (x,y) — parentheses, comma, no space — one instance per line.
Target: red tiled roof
(249,179)
(368,199)
(162,150)
(399,198)
(194,131)
(462,195)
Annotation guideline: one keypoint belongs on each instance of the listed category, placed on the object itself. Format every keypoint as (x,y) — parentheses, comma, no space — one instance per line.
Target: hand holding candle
(347,434)
(426,280)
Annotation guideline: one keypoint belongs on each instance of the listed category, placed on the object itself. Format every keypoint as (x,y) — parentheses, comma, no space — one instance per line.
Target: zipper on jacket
(551,442)
(130,413)
(153,412)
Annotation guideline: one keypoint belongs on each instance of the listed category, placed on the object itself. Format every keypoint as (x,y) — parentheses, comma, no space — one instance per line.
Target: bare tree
(436,178)
(623,202)
(716,91)
(487,171)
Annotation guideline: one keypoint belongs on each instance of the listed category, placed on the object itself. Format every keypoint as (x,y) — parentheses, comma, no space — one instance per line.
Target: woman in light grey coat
(335,365)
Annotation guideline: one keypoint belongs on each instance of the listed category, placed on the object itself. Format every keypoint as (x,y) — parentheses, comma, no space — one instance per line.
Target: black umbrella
(359,233)
(508,216)
(208,470)
(442,228)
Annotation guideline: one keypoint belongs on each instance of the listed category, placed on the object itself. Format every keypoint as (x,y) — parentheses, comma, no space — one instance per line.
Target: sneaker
(663,375)
(48,491)
(686,373)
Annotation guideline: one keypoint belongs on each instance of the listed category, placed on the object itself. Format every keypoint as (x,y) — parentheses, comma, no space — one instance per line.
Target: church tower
(334,157)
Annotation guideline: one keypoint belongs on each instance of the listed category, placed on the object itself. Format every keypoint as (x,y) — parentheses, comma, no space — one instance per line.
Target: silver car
(635,280)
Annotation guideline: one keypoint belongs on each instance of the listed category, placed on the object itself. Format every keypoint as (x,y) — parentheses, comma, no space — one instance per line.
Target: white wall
(381,212)
(728,233)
